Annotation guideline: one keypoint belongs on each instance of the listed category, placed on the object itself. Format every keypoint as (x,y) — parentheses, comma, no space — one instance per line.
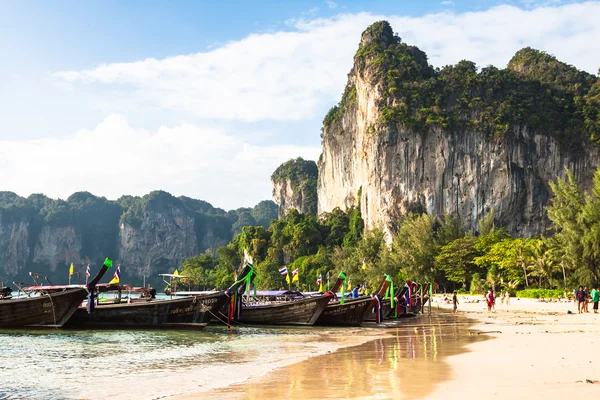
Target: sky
(206,99)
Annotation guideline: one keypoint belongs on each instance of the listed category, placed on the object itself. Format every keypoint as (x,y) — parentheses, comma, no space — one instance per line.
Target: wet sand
(408,362)
(527,350)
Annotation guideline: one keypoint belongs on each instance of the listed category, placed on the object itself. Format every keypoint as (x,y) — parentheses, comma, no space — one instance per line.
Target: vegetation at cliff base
(535,92)
(424,248)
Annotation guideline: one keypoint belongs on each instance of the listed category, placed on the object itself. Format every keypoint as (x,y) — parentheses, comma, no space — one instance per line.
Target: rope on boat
(53,312)
(224,316)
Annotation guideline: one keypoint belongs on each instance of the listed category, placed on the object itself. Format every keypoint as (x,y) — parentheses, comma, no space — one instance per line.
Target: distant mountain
(148,235)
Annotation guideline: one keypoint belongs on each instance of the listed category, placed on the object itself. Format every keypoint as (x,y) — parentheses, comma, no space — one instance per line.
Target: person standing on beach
(455,301)
(490,300)
(585,302)
(580,296)
(595,298)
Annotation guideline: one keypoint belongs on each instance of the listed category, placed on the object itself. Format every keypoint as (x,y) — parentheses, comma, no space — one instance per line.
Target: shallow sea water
(404,358)
(68,364)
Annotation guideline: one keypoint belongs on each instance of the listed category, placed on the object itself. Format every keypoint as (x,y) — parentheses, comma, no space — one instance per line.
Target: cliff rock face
(163,240)
(417,141)
(14,246)
(295,186)
(57,245)
(147,235)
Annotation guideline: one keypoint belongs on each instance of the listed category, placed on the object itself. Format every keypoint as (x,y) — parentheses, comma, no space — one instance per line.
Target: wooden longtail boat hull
(351,313)
(187,312)
(45,310)
(296,312)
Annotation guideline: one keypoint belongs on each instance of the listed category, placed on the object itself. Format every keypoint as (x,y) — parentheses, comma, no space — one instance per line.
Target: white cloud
(115,158)
(331,4)
(447,3)
(298,74)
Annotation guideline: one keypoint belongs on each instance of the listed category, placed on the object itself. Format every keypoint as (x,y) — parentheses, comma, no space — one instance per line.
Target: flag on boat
(116,276)
(287,278)
(296,275)
(364,266)
(71,270)
(320,282)
(176,273)
(349,284)
(283,270)
(87,271)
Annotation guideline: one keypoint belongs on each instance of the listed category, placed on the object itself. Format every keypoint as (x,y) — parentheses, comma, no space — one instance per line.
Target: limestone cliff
(57,245)
(295,186)
(455,140)
(165,236)
(146,235)
(14,246)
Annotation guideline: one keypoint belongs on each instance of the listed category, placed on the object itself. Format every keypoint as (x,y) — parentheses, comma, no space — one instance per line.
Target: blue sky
(206,98)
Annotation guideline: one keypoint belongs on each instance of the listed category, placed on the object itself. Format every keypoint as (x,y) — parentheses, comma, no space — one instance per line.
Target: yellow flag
(349,285)
(321,287)
(295,278)
(364,266)
(71,270)
(287,278)
(176,273)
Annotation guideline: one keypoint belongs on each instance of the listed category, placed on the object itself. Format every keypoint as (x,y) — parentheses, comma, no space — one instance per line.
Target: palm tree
(522,259)
(542,261)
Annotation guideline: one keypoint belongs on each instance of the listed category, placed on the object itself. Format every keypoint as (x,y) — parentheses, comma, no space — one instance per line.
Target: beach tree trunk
(525,273)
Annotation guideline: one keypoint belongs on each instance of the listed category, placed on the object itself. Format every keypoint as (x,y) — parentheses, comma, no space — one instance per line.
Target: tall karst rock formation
(295,186)
(457,140)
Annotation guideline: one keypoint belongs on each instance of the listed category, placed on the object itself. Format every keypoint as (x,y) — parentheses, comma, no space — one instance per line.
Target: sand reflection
(409,362)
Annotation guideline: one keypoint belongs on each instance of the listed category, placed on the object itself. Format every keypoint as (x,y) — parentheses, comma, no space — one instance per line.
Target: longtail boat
(412,299)
(190,312)
(47,306)
(351,312)
(278,307)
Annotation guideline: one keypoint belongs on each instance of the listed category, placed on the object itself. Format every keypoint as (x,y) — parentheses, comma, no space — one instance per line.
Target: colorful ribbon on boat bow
(343,276)
(390,290)
(248,280)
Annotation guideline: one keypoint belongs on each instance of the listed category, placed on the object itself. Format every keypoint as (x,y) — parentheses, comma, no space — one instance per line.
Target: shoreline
(324,341)
(528,349)
(374,369)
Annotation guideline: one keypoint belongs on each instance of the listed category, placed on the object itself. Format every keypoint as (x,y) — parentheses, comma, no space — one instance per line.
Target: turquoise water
(62,364)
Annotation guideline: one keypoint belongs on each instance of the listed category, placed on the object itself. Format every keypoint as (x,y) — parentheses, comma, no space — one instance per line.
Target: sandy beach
(525,350)
(541,352)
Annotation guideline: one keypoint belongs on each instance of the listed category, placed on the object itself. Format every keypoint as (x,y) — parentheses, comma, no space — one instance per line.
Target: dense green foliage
(542,293)
(535,91)
(303,176)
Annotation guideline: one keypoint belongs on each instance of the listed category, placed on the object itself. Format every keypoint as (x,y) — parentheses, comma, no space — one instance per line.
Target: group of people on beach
(490,299)
(581,299)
